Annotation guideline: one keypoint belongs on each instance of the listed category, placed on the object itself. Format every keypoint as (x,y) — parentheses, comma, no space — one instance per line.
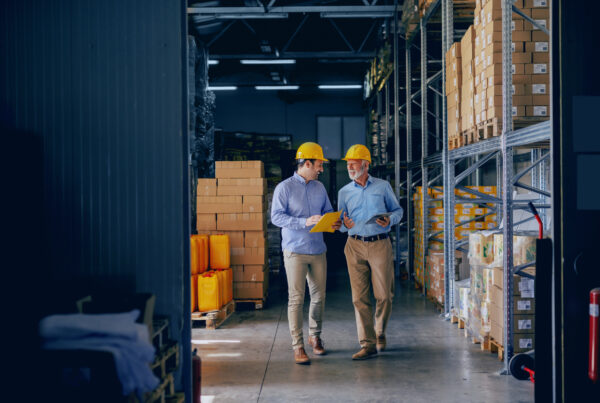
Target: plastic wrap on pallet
(461,298)
(524,244)
(478,322)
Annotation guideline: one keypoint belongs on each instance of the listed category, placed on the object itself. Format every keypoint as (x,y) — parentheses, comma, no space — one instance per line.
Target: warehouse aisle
(250,358)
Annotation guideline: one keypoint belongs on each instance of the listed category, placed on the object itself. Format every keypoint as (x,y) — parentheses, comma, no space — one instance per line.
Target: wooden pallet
(453,319)
(497,348)
(258,303)
(214,319)
(470,136)
(167,360)
(160,332)
(461,323)
(456,142)
(489,128)
(176,398)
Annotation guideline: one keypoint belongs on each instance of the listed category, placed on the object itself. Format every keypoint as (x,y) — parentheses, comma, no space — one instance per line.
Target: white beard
(356,174)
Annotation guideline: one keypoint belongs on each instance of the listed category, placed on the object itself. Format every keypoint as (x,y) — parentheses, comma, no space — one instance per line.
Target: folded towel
(118,334)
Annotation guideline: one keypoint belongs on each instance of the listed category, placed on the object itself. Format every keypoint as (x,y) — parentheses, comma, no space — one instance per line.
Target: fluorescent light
(276,87)
(340,86)
(250,16)
(362,14)
(213,62)
(222,88)
(268,61)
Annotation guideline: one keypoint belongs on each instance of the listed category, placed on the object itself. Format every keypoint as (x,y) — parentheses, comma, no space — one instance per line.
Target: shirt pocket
(375,204)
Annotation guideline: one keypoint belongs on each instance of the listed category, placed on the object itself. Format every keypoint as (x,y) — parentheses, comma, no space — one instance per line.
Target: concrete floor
(249,358)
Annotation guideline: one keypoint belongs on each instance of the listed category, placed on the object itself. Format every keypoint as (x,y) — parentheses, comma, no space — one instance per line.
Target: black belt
(370,238)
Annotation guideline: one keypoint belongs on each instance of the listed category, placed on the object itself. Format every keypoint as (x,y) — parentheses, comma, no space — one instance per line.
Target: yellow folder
(325,223)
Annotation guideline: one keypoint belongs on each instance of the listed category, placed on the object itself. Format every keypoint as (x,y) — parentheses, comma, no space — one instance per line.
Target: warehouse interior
(143,142)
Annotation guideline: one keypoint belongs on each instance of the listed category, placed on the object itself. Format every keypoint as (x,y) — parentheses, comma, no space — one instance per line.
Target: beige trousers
(371,265)
(298,269)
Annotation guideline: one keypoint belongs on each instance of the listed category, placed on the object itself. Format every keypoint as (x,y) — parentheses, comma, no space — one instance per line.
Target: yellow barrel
(194,292)
(194,254)
(209,292)
(227,285)
(219,252)
(203,254)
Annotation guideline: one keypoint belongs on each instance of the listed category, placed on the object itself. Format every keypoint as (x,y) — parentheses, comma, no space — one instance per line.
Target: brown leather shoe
(381,342)
(317,345)
(364,353)
(300,356)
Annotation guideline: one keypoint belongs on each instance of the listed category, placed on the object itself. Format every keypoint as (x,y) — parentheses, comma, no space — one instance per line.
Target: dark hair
(300,162)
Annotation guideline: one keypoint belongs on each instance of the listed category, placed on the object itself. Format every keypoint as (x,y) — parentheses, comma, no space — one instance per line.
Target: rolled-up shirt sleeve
(392,205)
(279,216)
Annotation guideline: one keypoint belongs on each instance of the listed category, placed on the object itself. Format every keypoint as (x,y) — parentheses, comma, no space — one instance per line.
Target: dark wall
(288,112)
(101,83)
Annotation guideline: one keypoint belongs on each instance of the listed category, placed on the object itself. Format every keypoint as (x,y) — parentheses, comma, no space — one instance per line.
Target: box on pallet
(206,187)
(253,256)
(242,187)
(241,221)
(250,289)
(250,273)
(239,169)
(219,204)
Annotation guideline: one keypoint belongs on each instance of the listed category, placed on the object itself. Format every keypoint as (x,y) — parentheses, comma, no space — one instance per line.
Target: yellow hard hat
(358,152)
(310,151)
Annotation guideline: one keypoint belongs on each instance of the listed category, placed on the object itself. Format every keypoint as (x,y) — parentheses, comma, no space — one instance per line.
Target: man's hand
(310,221)
(337,225)
(348,222)
(384,221)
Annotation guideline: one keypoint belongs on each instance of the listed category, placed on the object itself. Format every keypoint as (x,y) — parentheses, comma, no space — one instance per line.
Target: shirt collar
(369,180)
(299,178)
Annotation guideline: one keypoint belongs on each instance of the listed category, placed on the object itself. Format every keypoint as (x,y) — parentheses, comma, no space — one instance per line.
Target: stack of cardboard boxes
(485,257)
(462,212)
(453,93)
(479,95)
(530,60)
(234,203)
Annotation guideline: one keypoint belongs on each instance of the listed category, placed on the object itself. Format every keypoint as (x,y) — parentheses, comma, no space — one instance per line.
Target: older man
(298,204)
(368,249)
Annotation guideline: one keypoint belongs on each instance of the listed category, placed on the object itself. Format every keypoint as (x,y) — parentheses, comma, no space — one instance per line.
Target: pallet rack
(443,163)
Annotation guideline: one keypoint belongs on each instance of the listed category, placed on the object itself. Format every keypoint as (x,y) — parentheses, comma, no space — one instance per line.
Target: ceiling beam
(260,11)
(298,55)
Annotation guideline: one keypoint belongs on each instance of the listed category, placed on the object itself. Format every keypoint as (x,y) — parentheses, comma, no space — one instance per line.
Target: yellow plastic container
(209,292)
(203,253)
(221,276)
(194,293)
(219,252)
(227,285)
(194,254)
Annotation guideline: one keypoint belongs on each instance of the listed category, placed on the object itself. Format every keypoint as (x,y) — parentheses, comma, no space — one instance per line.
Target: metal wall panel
(102,83)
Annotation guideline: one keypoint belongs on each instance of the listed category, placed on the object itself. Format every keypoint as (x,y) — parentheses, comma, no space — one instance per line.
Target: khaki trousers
(370,265)
(299,268)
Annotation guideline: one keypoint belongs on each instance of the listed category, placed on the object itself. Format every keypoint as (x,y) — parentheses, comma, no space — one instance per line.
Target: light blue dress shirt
(361,203)
(294,201)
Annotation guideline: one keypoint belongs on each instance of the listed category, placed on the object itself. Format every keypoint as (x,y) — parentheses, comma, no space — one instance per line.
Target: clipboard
(375,217)
(325,223)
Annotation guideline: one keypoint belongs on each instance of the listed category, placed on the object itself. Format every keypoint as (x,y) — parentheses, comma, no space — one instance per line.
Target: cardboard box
(544,22)
(254,204)
(467,46)
(453,101)
(523,323)
(541,100)
(252,256)
(540,13)
(236,238)
(206,222)
(523,342)
(541,57)
(242,187)
(523,36)
(241,221)
(539,46)
(497,332)
(496,313)
(218,204)
(521,57)
(206,187)
(540,79)
(250,273)
(537,68)
(522,100)
(535,3)
(521,78)
(539,36)
(250,290)
(255,239)
(239,169)
(537,110)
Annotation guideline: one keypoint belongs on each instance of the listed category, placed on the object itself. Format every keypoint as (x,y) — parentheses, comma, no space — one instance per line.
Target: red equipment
(593,354)
(196,376)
